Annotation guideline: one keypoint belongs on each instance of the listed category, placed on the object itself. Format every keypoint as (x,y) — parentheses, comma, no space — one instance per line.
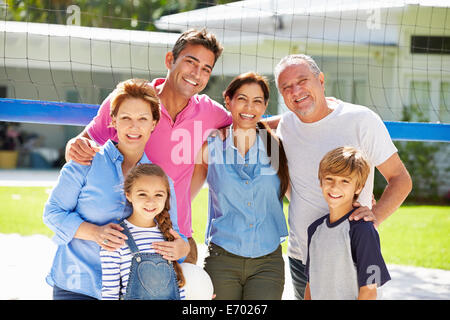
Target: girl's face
(148,196)
(247,106)
(134,123)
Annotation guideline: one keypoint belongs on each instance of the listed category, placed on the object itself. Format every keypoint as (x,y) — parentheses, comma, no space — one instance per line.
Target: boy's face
(339,191)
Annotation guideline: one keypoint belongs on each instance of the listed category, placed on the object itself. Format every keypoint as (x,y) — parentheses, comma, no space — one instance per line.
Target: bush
(420,158)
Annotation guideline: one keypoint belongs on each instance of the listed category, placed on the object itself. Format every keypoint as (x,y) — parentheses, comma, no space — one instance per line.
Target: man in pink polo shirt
(186,120)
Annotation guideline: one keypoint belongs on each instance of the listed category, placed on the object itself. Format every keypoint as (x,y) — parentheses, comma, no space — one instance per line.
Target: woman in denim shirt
(88,202)
(246,170)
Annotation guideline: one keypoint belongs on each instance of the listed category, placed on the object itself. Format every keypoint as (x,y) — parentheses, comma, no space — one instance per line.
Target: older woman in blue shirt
(88,202)
(246,170)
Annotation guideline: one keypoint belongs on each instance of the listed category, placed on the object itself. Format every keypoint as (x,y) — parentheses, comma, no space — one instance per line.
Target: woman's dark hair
(267,135)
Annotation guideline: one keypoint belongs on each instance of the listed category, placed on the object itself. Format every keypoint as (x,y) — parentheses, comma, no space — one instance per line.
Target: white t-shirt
(306,144)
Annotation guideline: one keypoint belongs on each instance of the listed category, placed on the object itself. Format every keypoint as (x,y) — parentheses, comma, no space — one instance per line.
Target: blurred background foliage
(116,14)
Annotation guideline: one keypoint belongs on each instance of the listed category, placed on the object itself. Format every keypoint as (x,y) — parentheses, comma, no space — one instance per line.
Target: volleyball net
(58,63)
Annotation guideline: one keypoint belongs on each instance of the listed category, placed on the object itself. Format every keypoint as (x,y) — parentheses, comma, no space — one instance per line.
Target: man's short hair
(294,59)
(345,161)
(197,37)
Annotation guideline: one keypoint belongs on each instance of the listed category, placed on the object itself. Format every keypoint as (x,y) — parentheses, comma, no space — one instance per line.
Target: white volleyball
(198,283)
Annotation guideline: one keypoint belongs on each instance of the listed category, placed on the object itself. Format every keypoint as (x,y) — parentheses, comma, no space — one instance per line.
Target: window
(72,96)
(340,89)
(3,92)
(444,105)
(353,91)
(420,100)
(430,44)
(104,92)
(359,92)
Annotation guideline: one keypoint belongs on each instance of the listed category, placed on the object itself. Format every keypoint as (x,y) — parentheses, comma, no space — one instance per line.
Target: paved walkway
(30,178)
(26,260)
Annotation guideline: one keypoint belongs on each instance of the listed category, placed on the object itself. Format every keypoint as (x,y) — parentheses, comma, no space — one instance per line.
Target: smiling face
(303,92)
(190,72)
(134,123)
(339,191)
(148,196)
(247,106)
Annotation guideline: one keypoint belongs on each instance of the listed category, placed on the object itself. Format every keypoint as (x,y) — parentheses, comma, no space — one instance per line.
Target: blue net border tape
(46,112)
(65,113)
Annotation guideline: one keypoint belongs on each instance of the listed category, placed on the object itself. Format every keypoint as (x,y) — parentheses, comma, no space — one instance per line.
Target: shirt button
(249,204)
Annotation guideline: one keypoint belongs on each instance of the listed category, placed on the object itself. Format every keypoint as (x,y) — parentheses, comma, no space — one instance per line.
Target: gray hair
(294,59)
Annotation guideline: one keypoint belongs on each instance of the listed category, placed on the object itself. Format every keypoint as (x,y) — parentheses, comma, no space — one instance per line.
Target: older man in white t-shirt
(315,125)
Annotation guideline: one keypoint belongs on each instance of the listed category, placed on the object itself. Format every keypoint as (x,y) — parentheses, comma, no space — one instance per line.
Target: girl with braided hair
(88,202)
(136,271)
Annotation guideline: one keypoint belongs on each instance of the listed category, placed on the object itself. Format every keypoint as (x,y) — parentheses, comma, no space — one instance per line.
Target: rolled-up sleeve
(59,211)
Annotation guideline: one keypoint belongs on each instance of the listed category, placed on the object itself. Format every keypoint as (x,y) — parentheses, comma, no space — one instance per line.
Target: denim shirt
(245,215)
(93,194)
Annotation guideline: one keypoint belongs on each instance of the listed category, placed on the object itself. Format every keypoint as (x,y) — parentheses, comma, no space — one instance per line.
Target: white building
(364,47)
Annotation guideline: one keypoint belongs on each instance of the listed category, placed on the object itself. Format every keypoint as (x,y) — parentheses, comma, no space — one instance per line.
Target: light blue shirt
(93,194)
(245,215)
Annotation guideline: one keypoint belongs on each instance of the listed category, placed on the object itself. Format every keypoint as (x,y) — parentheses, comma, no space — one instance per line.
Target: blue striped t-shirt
(116,264)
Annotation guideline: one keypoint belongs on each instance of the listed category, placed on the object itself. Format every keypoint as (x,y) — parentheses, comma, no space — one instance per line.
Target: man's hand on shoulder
(81,150)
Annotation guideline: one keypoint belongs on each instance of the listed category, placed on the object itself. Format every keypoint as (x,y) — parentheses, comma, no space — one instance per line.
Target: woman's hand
(109,236)
(172,250)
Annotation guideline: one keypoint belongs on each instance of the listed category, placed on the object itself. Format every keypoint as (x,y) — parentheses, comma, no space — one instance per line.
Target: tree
(118,14)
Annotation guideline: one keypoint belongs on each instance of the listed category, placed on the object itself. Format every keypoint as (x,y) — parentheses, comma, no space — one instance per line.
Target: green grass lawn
(414,235)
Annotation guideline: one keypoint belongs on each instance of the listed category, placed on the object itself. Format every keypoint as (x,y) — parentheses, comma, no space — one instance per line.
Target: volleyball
(198,283)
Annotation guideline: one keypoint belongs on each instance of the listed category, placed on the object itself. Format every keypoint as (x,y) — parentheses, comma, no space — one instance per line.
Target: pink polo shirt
(173,145)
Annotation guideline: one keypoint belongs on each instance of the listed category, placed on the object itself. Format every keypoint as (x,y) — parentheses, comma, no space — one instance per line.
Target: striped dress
(116,264)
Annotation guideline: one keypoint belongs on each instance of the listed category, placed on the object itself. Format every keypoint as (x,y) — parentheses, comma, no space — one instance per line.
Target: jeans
(241,278)
(151,276)
(299,279)
(61,294)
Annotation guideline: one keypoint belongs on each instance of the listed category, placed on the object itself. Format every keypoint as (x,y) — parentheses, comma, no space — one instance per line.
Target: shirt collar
(159,81)
(254,149)
(114,154)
